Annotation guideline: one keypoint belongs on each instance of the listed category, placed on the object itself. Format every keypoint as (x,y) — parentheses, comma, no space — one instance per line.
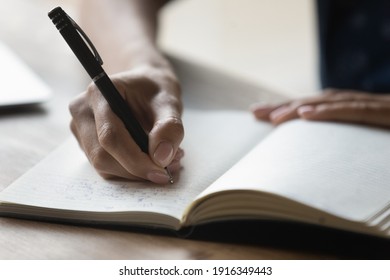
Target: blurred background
(269,43)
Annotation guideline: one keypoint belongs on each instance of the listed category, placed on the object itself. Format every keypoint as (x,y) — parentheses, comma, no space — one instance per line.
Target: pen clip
(86,39)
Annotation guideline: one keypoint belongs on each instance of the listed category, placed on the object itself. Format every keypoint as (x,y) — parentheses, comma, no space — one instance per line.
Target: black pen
(92,62)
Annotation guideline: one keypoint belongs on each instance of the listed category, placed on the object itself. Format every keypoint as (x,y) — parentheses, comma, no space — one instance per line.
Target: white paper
(214,141)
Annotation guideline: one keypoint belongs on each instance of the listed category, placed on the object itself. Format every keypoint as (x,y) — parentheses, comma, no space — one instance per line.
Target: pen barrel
(92,65)
(72,37)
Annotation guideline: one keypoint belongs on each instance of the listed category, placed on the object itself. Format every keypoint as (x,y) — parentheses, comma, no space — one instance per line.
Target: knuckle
(359,105)
(175,126)
(79,106)
(104,109)
(76,106)
(91,88)
(92,94)
(168,128)
(173,102)
(106,134)
(98,158)
(175,86)
(176,103)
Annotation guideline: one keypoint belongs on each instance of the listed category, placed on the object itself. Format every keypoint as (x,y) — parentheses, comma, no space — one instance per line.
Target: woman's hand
(153,94)
(333,105)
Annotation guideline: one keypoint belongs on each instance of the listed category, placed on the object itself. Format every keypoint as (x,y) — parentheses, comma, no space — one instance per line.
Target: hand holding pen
(128,125)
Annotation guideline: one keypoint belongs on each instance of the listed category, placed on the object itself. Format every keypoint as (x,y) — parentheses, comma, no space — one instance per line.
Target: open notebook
(19,85)
(325,174)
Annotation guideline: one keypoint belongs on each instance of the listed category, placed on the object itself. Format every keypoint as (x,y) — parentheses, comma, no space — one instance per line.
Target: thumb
(165,138)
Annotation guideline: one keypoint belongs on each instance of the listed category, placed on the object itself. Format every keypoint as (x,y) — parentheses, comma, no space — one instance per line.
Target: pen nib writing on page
(170,175)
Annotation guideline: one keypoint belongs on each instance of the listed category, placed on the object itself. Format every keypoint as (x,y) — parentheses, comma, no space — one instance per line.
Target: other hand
(332,105)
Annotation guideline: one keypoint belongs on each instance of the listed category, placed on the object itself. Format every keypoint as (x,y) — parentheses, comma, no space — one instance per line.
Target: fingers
(375,113)
(114,138)
(283,112)
(175,165)
(167,132)
(350,106)
(83,127)
(155,98)
(286,111)
(109,146)
(165,139)
(262,111)
(164,112)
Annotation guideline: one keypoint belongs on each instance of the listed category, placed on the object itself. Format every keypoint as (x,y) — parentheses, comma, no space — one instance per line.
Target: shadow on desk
(303,238)
(325,243)
(306,238)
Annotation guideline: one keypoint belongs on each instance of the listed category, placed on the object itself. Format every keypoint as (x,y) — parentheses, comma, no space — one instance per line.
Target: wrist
(137,55)
(150,60)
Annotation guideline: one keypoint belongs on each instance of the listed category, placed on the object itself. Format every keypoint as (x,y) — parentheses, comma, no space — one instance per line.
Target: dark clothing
(354,40)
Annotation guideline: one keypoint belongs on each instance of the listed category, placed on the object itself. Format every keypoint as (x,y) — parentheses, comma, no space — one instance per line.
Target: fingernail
(158,177)
(279,112)
(260,114)
(163,154)
(306,111)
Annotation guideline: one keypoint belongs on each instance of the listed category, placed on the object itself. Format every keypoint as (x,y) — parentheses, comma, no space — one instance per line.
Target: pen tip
(170,175)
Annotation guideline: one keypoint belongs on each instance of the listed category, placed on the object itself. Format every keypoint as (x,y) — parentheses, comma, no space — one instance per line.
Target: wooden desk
(28,135)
